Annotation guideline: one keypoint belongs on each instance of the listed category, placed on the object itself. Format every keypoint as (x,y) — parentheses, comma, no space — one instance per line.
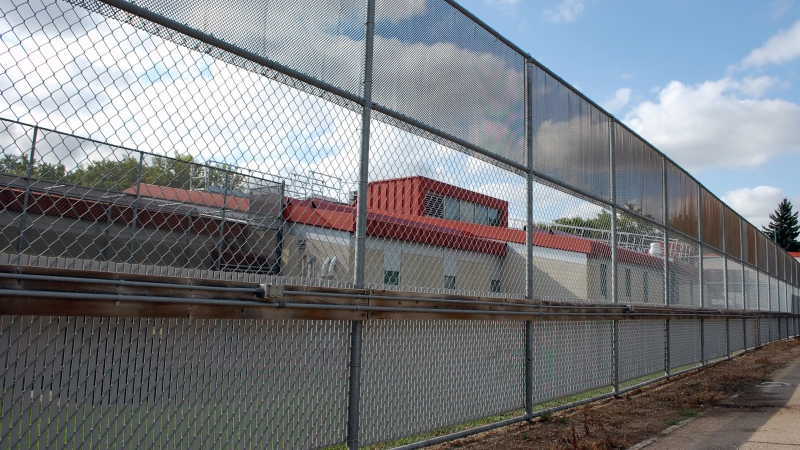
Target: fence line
(363,146)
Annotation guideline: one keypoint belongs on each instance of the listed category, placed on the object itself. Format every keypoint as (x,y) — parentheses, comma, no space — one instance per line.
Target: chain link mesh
(590,368)
(171,383)
(684,343)
(128,146)
(422,375)
(641,348)
(735,281)
(750,333)
(684,271)
(763,331)
(737,335)
(715,339)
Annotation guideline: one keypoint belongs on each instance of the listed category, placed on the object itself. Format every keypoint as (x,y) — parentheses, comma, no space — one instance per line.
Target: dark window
(496,286)
(628,283)
(452,208)
(645,287)
(449,282)
(391,277)
(434,204)
(604,281)
(494,217)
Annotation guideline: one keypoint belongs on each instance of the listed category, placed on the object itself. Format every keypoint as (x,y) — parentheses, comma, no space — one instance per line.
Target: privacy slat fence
(355,223)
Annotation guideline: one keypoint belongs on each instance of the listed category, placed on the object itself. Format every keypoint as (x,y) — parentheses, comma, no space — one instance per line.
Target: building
(422,235)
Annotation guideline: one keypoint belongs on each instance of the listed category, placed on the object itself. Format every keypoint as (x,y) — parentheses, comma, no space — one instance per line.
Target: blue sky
(713,84)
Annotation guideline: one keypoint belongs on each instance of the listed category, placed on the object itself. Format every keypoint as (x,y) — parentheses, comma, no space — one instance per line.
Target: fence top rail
(48,291)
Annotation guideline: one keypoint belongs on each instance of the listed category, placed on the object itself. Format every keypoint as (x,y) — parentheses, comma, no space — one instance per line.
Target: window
(467,212)
(452,208)
(438,205)
(603,281)
(645,287)
(434,204)
(391,277)
(449,282)
(481,215)
(496,286)
(494,217)
(628,283)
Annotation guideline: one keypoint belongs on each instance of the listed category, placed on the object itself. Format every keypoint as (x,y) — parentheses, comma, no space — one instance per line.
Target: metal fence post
(359,258)
(665,256)
(132,243)
(221,241)
(28,175)
(529,239)
(702,284)
(614,243)
(725,282)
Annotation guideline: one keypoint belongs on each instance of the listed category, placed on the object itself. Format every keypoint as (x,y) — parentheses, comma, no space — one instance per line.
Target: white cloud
(755,204)
(781,48)
(719,123)
(621,98)
(566,11)
(779,8)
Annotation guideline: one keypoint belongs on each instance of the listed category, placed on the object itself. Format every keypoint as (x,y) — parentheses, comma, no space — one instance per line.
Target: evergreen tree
(783,228)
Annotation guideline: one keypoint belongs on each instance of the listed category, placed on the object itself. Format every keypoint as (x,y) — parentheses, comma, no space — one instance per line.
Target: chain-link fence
(288,143)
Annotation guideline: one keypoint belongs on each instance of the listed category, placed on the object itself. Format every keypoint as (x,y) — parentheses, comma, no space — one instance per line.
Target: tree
(17,165)
(783,228)
(179,171)
(594,228)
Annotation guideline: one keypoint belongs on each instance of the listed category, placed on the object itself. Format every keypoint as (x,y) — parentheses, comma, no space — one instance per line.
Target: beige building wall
(319,248)
(654,294)
(560,279)
(421,271)
(373,272)
(474,276)
(512,274)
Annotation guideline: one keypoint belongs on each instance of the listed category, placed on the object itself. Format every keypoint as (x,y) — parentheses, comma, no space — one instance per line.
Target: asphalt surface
(764,416)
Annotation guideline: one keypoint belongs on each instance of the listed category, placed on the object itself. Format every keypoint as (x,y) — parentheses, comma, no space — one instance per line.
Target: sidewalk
(765,416)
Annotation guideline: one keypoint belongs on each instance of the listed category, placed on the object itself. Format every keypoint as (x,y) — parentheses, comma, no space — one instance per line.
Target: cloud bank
(725,123)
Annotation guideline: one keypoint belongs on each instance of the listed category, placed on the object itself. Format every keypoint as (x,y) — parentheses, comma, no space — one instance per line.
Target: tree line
(179,171)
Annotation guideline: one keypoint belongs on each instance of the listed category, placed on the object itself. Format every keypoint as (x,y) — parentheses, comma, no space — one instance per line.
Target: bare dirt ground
(638,415)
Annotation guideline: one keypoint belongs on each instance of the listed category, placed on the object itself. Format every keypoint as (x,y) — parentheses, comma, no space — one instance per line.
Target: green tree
(17,165)
(179,171)
(783,228)
(594,227)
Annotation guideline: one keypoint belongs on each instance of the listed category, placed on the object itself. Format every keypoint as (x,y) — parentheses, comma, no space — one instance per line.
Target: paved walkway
(764,416)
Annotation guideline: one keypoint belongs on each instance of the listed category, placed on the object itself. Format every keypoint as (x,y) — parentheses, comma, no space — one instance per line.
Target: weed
(689,412)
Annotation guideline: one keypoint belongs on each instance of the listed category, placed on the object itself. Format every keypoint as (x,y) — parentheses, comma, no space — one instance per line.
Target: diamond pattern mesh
(177,383)
(716,341)
(735,284)
(591,367)
(763,331)
(131,147)
(684,272)
(684,343)
(737,334)
(750,336)
(641,348)
(421,375)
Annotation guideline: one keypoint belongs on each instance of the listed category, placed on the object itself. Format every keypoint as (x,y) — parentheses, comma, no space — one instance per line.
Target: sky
(713,84)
